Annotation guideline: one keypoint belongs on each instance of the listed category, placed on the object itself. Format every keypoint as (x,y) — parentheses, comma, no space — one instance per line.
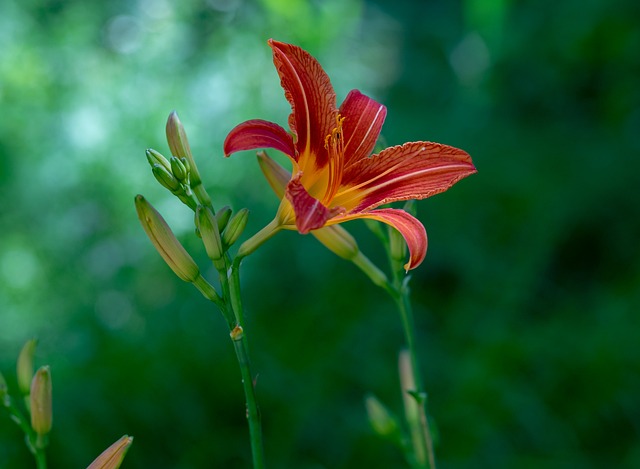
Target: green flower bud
(166,178)
(397,246)
(24,368)
(112,457)
(179,169)
(235,227)
(206,223)
(186,164)
(382,422)
(222,217)
(154,158)
(177,138)
(40,401)
(165,241)
(179,145)
(3,388)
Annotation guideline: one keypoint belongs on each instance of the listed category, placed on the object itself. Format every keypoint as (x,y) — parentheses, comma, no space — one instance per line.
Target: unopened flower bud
(179,145)
(179,169)
(382,422)
(177,137)
(337,240)
(165,241)
(222,217)
(235,227)
(186,164)
(112,457)
(154,157)
(165,177)
(397,246)
(3,388)
(40,401)
(24,368)
(208,227)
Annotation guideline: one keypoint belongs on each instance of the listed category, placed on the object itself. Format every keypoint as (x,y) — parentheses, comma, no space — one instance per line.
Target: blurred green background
(526,306)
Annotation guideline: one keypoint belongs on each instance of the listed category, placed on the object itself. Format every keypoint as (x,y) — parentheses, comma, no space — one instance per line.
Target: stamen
(334,143)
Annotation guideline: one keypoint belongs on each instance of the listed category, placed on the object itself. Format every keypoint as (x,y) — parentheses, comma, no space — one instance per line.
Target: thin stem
(406,314)
(257,239)
(41,460)
(209,292)
(423,442)
(230,283)
(35,447)
(372,271)
(235,297)
(253,414)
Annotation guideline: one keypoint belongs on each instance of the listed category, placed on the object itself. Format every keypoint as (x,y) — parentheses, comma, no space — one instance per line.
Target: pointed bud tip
(235,227)
(112,457)
(24,366)
(381,420)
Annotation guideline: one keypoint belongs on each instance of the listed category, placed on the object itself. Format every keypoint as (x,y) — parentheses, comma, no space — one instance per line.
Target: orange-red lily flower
(334,178)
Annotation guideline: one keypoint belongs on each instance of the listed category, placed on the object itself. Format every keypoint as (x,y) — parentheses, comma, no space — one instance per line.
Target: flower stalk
(218,233)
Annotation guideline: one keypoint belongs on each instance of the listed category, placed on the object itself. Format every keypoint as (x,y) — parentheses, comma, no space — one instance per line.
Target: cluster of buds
(173,174)
(218,230)
(35,388)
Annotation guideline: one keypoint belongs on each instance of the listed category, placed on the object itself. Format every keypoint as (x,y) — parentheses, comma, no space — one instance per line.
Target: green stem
(209,292)
(235,297)
(41,460)
(372,271)
(230,283)
(35,443)
(253,414)
(199,190)
(258,239)
(421,433)
(399,291)
(401,298)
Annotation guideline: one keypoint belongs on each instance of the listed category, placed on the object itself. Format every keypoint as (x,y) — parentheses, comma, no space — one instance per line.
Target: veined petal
(309,211)
(258,133)
(410,227)
(310,93)
(276,175)
(363,119)
(415,170)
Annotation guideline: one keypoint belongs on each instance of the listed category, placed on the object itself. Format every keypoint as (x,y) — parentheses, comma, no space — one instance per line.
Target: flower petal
(411,229)
(310,93)
(258,133)
(362,125)
(415,170)
(276,175)
(309,211)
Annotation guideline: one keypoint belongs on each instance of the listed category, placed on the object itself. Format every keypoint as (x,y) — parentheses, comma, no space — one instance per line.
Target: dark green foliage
(528,301)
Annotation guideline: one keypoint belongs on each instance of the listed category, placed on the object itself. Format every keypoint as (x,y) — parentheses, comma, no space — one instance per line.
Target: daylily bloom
(334,179)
